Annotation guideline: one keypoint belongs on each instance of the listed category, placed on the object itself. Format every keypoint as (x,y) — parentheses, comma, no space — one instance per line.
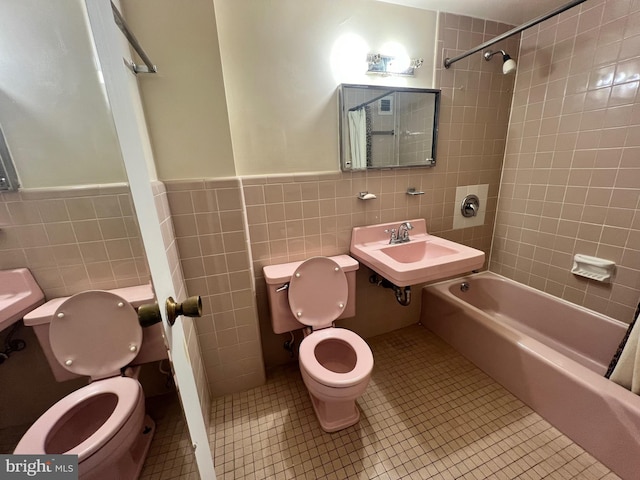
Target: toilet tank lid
(136,296)
(277,274)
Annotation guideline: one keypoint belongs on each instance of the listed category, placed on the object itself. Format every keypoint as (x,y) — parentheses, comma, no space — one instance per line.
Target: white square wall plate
(480,191)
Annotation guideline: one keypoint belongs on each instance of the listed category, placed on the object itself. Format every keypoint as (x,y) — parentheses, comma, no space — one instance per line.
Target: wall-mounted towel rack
(148,66)
(358,107)
(383,132)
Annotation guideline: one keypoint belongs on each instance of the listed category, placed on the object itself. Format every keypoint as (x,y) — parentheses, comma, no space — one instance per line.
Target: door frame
(121,89)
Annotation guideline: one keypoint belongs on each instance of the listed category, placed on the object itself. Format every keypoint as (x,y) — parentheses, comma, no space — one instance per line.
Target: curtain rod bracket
(136,68)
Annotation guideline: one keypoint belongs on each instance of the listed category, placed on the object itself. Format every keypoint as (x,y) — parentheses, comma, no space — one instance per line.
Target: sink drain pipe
(403,294)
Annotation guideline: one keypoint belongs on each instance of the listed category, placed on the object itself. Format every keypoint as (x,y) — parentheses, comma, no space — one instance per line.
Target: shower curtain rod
(122,25)
(513,31)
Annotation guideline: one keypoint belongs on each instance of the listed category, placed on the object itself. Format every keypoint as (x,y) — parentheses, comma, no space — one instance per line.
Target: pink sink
(19,294)
(424,258)
(417,251)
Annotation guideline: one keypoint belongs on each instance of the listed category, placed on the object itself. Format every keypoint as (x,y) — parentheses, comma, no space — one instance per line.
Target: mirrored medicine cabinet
(387,127)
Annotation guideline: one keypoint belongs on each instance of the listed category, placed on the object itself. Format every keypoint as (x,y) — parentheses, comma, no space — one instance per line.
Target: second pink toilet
(335,363)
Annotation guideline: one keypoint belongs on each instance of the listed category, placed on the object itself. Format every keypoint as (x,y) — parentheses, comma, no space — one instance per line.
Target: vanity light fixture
(388,65)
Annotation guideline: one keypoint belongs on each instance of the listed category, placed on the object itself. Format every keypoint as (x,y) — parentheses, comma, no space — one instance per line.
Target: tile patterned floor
(170,455)
(428,413)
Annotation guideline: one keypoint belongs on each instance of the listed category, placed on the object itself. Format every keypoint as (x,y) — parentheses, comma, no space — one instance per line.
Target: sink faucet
(401,234)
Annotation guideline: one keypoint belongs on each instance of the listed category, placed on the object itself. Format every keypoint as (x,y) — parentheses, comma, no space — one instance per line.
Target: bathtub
(549,353)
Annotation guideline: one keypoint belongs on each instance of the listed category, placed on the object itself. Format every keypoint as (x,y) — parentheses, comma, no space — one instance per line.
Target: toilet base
(335,416)
(129,466)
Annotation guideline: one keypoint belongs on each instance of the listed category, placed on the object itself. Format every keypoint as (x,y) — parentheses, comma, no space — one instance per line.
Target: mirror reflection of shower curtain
(360,137)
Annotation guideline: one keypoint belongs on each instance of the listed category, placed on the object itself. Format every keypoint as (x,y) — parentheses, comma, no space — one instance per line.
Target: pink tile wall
(476,101)
(190,330)
(474,115)
(209,222)
(571,181)
(73,240)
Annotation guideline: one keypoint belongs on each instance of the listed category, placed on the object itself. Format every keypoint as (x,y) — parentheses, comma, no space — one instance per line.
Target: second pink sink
(19,294)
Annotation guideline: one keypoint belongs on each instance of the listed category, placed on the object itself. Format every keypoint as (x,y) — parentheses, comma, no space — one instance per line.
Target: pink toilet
(95,334)
(335,363)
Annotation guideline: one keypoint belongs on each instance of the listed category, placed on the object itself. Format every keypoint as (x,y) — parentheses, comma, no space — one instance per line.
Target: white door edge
(107,40)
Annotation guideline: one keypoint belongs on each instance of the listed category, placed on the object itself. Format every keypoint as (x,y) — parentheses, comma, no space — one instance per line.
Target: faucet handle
(394,234)
(403,231)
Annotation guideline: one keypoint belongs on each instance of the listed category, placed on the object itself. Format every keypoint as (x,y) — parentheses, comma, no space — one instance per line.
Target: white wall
(283,61)
(52,106)
(184,102)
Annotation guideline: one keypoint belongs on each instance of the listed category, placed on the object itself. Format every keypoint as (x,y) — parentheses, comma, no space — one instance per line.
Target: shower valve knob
(470,206)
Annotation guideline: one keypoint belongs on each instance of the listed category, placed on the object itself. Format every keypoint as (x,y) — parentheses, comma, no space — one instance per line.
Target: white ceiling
(514,12)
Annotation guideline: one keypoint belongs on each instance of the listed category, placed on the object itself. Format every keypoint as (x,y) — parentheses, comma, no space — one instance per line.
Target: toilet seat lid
(318,292)
(95,333)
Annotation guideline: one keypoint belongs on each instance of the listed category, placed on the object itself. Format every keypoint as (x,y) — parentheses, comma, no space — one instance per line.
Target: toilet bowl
(335,363)
(97,334)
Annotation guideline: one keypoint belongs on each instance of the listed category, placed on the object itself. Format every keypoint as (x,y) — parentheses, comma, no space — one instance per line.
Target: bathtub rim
(489,273)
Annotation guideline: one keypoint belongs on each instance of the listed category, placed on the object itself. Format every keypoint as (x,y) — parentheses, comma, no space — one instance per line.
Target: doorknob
(150,314)
(191,307)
